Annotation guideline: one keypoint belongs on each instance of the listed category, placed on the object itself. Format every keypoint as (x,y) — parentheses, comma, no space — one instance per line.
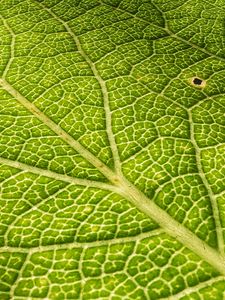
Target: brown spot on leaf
(198,82)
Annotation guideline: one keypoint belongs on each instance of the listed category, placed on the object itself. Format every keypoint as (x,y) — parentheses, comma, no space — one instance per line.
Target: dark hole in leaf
(197,81)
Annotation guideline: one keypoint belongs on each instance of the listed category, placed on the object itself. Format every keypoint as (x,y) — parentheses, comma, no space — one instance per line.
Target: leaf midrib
(129,191)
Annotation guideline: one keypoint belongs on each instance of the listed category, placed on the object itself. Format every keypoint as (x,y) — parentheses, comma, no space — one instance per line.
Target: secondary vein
(196,288)
(11,47)
(113,146)
(83,245)
(212,197)
(57,176)
(59,131)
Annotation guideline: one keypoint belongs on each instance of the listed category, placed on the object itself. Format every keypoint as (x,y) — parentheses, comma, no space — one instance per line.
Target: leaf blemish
(198,82)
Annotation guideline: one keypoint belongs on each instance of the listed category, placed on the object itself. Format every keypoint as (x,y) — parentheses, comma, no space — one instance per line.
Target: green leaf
(112,133)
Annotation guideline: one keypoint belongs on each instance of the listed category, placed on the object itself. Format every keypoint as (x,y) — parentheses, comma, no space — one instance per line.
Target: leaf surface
(111,154)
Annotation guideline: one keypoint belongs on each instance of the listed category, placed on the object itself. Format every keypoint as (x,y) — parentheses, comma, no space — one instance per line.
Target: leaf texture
(112,178)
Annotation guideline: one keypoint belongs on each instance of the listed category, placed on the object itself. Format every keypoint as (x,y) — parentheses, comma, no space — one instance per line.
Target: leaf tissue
(112,153)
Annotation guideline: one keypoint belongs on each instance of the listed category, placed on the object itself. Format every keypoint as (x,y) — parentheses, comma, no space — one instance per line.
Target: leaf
(112,149)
